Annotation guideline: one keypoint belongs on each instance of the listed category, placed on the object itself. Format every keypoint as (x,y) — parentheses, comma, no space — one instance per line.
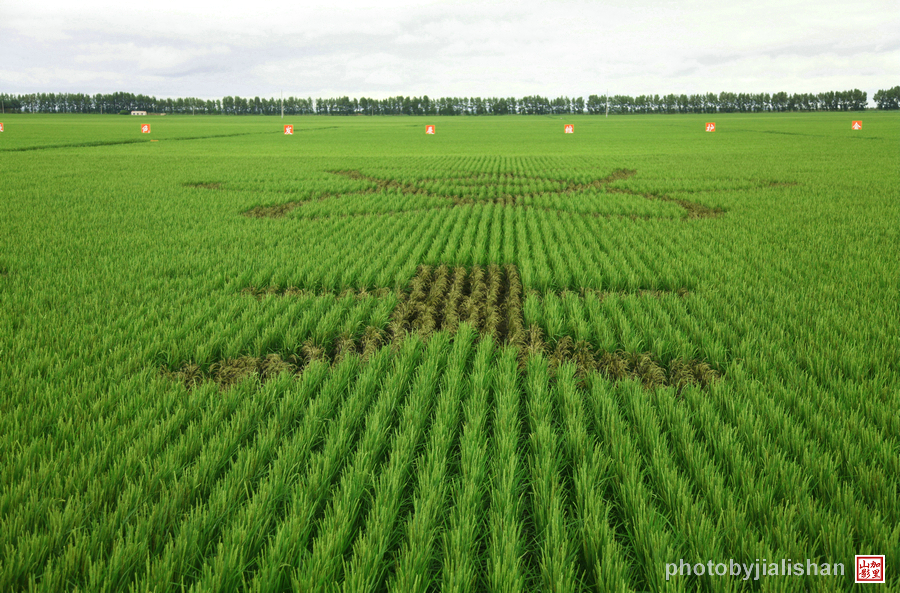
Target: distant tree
(726,102)
(792,102)
(887,99)
(578,105)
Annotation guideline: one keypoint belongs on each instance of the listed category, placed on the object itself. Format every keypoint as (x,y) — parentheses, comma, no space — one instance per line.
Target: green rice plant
(183,553)
(460,217)
(365,568)
(417,554)
(648,534)
(122,494)
(552,524)
(787,461)
(543,271)
(472,308)
(506,545)
(495,241)
(534,310)
(289,545)
(523,249)
(711,477)
(509,237)
(329,324)
(626,337)
(409,254)
(461,565)
(554,317)
(515,317)
(249,529)
(165,427)
(701,534)
(602,557)
(198,479)
(444,238)
(357,272)
(480,247)
(420,246)
(576,319)
(772,470)
(494,302)
(454,299)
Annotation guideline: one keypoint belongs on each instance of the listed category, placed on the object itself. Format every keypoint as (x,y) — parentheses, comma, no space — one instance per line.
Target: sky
(438,48)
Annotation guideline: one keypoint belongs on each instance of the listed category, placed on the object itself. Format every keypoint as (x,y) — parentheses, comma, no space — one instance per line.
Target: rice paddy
(494,358)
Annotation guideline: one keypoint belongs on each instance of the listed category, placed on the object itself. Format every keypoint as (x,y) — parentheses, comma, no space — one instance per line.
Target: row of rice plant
(387,394)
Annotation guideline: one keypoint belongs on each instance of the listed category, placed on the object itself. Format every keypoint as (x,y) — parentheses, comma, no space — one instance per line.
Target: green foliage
(725,102)
(498,358)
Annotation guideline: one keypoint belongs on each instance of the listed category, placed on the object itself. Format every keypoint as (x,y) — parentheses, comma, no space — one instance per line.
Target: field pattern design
(490,360)
(505,189)
(489,299)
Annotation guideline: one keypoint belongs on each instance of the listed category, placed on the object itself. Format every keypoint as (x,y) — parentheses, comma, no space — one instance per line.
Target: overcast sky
(439,48)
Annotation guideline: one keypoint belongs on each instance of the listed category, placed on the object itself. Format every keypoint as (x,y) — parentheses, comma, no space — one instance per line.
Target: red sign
(429,129)
(857,125)
(570,129)
(289,130)
(1,126)
(710,126)
(870,569)
(145,128)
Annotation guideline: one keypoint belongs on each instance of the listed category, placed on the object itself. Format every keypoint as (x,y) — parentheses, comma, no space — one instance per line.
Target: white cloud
(384,77)
(407,47)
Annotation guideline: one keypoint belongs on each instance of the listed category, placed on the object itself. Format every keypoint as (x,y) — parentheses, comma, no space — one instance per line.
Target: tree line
(853,100)
(128,102)
(725,102)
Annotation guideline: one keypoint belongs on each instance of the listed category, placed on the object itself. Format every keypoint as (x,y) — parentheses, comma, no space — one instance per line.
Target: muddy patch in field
(643,367)
(657,293)
(293,291)
(204,185)
(521,187)
(489,298)
(693,209)
(378,185)
(617,175)
(231,371)
(273,211)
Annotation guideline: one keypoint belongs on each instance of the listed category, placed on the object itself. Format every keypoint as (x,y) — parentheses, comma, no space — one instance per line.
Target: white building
(138,113)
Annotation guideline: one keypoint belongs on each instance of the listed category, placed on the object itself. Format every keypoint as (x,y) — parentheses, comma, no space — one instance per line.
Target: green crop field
(496,358)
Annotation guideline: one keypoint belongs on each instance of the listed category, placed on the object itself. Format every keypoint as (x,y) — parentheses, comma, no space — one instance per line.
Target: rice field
(495,358)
